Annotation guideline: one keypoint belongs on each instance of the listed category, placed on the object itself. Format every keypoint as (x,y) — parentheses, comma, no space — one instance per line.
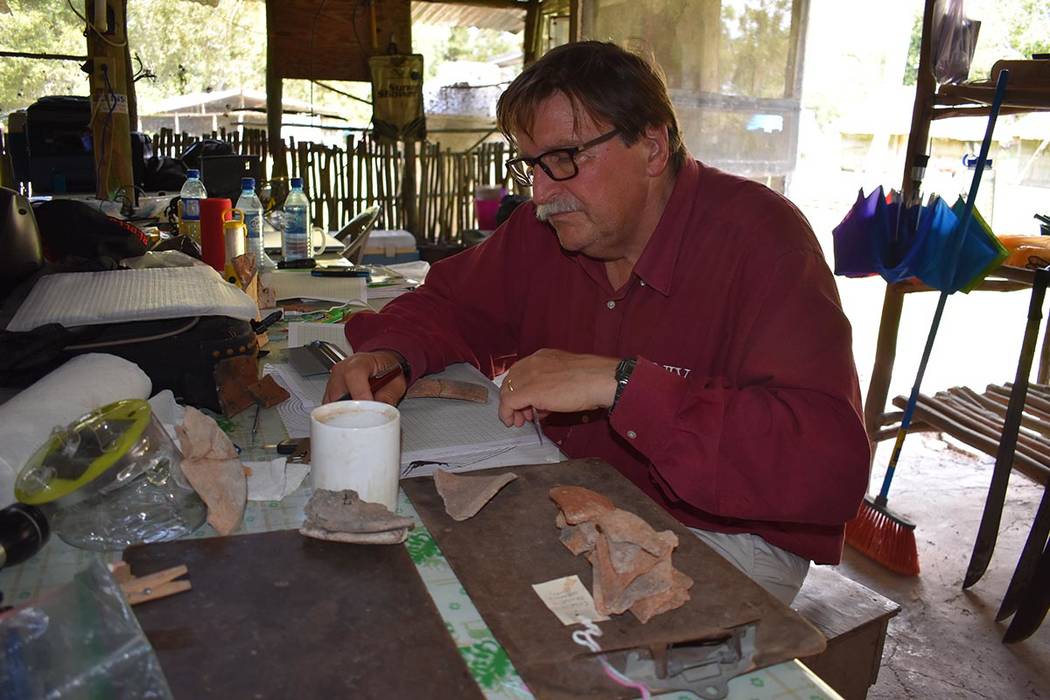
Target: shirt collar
(657,264)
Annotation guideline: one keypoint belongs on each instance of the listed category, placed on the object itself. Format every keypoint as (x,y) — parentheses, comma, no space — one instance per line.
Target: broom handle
(913,398)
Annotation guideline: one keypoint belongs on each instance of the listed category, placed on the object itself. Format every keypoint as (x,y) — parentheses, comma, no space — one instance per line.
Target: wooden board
(279,615)
(333,39)
(513,543)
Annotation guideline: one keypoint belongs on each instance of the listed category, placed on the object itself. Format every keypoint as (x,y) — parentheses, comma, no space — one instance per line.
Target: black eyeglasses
(559,163)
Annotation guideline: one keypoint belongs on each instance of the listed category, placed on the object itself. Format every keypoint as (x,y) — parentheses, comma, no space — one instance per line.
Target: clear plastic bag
(78,641)
(954,42)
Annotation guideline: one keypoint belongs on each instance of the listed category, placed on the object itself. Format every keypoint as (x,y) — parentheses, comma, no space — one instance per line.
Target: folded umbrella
(855,237)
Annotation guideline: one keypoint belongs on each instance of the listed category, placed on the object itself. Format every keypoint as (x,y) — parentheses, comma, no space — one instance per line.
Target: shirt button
(631,434)
(611,304)
(642,282)
(585,419)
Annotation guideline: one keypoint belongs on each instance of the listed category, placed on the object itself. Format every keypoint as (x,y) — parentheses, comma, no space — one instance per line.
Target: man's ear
(655,140)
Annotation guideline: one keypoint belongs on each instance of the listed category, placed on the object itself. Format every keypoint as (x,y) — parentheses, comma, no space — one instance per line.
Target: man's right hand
(351,377)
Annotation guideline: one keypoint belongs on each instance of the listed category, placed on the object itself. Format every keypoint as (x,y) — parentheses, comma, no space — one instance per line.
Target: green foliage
(911,66)
(42,27)
(754,48)
(440,43)
(189,46)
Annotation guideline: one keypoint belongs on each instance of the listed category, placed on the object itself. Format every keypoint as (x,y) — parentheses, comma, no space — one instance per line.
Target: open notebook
(463,433)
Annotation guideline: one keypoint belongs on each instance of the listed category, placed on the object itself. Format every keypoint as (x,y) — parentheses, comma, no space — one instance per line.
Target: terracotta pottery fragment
(622,526)
(621,591)
(268,392)
(344,511)
(233,376)
(464,496)
(341,516)
(388,537)
(631,561)
(447,389)
(579,504)
(579,538)
(675,597)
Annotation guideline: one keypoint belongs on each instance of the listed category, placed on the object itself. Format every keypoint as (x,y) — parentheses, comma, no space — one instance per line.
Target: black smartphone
(340,271)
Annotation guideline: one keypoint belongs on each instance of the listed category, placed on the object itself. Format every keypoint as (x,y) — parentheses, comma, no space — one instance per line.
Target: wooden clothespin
(152,586)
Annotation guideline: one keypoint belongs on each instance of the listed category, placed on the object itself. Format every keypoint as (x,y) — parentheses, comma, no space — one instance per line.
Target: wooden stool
(853,618)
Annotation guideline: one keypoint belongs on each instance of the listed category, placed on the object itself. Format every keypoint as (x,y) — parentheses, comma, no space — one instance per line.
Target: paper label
(568,599)
(110,102)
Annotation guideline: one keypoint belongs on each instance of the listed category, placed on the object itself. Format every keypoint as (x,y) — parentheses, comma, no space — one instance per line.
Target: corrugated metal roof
(509,20)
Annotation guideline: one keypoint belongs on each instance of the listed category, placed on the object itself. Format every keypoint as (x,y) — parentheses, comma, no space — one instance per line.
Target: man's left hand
(555,381)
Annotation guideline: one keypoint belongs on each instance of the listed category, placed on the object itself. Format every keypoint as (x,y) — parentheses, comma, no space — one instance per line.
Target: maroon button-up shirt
(743,414)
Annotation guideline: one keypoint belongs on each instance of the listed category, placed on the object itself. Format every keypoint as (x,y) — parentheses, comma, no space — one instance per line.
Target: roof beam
(491,4)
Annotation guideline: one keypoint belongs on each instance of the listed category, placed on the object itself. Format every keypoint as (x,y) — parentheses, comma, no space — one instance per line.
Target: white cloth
(79,386)
(777,570)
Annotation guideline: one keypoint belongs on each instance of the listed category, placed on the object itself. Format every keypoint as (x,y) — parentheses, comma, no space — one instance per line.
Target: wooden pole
(409,195)
(575,20)
(274,114)
(532,29)
(110,125)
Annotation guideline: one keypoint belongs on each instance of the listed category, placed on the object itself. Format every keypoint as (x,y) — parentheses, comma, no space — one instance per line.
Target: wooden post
(575,20)
(532,31)
(892,304)
(409,196)
(110,128)
(274,115)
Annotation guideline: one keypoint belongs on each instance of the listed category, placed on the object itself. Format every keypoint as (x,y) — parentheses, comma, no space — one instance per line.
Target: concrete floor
(945,642)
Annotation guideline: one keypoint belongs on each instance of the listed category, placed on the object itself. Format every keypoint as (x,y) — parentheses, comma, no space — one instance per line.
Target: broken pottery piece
(387,537)
(627,556)
(622,590)
(621,526)
(268,392)
(579,504)
(211,465)
(675,597)
(464,496)
(579,538)
(447,389)
(233,376)
(345,512)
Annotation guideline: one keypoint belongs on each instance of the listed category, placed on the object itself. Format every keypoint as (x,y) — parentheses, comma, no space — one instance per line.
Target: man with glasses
(676,321)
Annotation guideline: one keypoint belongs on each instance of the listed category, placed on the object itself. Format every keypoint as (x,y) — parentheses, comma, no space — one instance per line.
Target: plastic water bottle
(295,243)
(249,203)
(191,194)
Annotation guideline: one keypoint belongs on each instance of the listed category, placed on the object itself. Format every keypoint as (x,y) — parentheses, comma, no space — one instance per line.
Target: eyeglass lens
(559,165)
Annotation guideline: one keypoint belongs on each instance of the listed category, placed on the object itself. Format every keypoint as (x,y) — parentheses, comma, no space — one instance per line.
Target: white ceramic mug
(357,445)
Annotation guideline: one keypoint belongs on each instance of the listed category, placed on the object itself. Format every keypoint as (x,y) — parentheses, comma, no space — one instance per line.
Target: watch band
(623,375)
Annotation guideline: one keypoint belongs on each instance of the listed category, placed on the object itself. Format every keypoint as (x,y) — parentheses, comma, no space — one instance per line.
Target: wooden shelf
(1027,98)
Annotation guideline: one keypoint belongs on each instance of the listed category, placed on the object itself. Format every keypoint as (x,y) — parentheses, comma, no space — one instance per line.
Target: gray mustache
(558,206)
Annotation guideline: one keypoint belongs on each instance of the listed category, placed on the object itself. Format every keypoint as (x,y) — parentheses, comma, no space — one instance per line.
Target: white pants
(777,570)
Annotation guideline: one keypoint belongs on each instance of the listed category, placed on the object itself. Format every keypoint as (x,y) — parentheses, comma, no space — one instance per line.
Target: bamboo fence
(343,180)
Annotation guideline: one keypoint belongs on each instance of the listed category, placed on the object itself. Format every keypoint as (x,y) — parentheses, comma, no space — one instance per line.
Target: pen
(536,422)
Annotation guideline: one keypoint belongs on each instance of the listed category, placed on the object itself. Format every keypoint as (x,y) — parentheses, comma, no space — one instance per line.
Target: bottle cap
(247,183)
(193,174)
(297,183)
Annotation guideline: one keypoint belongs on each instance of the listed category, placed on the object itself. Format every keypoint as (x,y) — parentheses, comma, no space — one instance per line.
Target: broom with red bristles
(876,532)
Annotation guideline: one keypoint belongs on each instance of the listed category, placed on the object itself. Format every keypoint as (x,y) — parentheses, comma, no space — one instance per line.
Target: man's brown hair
(608,83)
